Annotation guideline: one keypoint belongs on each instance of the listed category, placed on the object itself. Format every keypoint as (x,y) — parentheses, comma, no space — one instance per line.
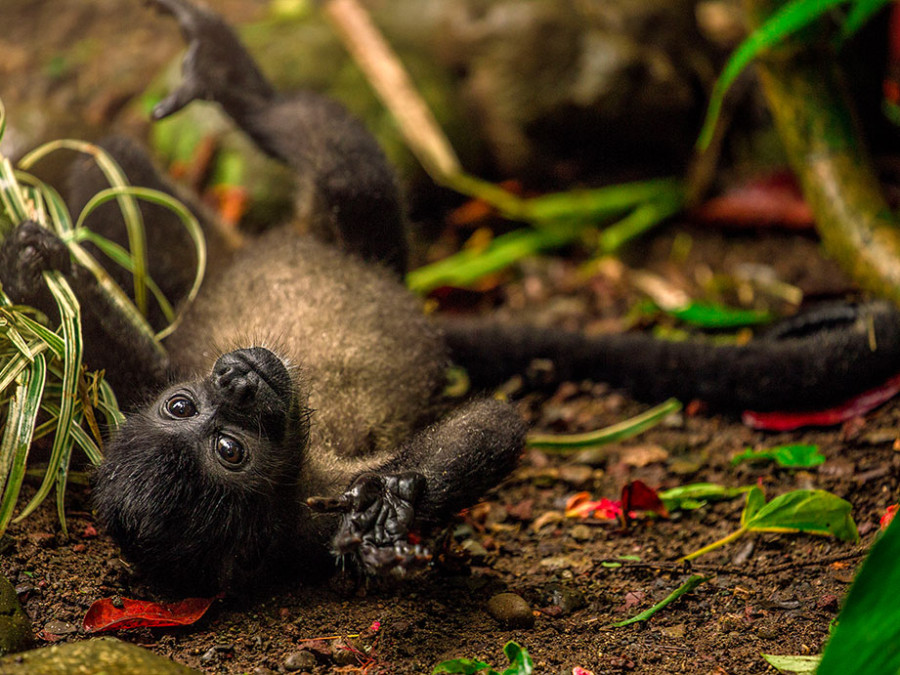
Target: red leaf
(581,506)
(638,496)
(888,516)
(855,407)
(103,615)
(771,200)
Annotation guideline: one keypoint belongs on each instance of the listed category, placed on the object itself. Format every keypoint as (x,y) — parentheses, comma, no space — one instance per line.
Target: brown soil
(768,594)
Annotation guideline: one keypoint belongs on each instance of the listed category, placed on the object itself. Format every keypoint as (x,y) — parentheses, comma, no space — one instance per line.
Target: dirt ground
(768,593)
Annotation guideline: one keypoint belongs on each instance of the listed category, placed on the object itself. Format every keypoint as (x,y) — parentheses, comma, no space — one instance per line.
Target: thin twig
(392,84)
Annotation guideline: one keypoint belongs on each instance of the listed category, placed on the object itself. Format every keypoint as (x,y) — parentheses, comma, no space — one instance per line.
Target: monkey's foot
(378,511)
(27,252)
(216,66)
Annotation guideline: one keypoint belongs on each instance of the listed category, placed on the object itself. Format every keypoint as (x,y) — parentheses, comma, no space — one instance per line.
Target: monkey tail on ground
(810,361)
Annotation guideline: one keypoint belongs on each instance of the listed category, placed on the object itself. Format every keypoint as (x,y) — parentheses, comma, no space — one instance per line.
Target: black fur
(809,362)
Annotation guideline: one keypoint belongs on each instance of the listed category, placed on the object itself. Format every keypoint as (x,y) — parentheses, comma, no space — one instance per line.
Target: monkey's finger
(171,104)
(329,504)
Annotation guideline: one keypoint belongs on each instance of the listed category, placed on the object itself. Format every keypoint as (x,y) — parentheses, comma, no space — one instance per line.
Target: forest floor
(766,594)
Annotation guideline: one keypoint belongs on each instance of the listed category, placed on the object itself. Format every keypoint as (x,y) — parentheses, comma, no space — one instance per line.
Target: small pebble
(60,628)
(566,598)
(511,610)
(299,661)
(343,655)
(209,656)
(577,475)
(474,549)
(581,533)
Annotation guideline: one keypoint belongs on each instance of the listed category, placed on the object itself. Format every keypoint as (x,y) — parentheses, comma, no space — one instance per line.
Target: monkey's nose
(236,378)
(245,373)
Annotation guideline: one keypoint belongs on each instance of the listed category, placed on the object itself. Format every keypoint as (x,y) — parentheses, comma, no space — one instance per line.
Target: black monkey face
(198,486)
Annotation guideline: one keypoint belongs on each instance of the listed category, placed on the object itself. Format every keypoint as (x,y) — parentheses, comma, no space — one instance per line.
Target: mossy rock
(15,627)
(91,657)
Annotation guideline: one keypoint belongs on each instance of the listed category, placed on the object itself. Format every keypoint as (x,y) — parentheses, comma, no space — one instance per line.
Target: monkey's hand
(378,511)
(216,66)
(26,253)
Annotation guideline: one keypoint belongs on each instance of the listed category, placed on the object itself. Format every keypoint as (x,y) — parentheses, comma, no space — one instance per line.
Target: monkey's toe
(397,560)
(30,250)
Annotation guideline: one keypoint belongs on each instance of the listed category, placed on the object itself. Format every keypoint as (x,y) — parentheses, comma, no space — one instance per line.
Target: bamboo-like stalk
(815,120)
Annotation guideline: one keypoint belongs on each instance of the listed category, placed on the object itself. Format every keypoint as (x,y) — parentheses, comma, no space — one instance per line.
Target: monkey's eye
(230,452)
(181,406)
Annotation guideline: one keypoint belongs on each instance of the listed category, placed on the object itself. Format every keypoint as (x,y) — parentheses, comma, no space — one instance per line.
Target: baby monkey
(308,419)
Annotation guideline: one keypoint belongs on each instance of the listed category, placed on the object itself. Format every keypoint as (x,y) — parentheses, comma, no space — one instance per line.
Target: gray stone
(302,660)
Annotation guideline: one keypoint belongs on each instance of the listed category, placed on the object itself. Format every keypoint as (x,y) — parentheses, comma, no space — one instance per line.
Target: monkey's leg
(440,471)
(110,341)
(350,193)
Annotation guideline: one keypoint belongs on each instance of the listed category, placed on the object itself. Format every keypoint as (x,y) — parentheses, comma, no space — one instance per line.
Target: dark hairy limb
(353,199)
(809,361)
(440,471)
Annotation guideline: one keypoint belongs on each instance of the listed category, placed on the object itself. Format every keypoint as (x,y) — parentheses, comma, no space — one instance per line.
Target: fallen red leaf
(103,615)
(582,506)
(888,516)
(855,407)
(770,200)
(638,496)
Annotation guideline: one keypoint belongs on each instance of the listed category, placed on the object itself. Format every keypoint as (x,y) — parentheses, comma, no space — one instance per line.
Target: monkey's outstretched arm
(111,342)
(351,193)
(440,471)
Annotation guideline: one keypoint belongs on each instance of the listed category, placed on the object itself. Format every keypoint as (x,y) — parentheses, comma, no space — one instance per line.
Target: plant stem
(716,544)
(815,120)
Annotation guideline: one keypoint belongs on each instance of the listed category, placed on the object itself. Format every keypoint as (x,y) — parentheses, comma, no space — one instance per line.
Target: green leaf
(787,456)
(16,439)
(519,663)
(793,664)
(558,219)
(519,660)
(70,324)
(463,666)
(756,499)
(131,214)
(867,637)
(695,495)
(810,511)
(689,585)
(790,17)
(706,315)
(859,14)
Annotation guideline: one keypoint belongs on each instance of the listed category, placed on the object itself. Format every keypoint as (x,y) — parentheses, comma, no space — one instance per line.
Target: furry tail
(808,362)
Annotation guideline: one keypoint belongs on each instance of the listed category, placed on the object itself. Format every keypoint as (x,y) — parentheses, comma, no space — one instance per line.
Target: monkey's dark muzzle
(253,384)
